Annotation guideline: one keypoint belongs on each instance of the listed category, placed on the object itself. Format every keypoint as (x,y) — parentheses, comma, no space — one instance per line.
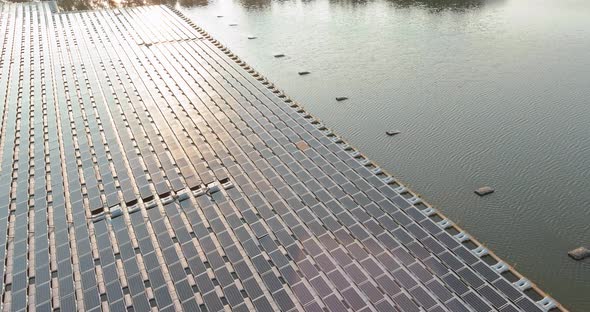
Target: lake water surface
(484,93)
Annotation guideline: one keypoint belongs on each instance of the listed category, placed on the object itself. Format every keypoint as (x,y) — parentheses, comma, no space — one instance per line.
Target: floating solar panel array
(145,167)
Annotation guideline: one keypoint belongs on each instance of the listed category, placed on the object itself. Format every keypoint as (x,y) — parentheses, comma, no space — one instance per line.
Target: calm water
(485,93)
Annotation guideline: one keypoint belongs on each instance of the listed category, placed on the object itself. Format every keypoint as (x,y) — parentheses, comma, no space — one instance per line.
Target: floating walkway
(144,166)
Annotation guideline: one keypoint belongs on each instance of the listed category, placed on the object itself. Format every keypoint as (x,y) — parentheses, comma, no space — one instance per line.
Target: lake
(484,93)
